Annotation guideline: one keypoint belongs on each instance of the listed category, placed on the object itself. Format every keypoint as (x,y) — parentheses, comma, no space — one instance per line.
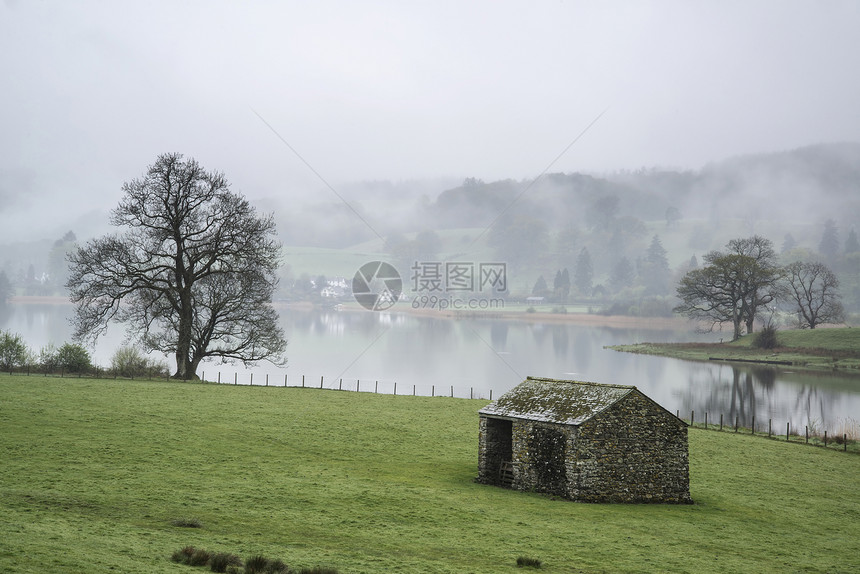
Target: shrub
(130,362)
(256,565)
(48,358)
(187,523)
(522,561)
(200,558)
(184,556)
(221,561)
(74,358)
(766,338)
(13,351)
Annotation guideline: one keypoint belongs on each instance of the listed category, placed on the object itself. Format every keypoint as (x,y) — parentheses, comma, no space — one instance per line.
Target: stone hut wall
(541,452)
(632,452)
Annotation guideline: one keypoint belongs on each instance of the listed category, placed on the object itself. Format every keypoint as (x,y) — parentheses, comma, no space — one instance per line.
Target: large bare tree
(813,290)
(732,286)
(192,273)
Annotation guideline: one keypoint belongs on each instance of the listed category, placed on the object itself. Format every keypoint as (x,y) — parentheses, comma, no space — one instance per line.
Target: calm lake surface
(376,351)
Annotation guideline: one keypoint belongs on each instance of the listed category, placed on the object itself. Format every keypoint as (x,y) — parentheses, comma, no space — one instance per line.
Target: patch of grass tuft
(221,561)
(187,523)
(256,565)
(524,562)
(183,556)
(200,558)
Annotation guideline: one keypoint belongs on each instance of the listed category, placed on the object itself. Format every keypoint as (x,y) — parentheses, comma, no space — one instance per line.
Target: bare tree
(814,293)
(191,275)
(760,276)
(732,286)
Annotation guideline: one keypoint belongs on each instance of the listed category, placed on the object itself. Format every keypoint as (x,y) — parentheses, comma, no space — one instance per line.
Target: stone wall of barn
(541,453)
(632,452)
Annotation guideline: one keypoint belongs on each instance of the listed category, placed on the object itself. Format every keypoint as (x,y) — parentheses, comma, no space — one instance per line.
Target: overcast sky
(93,91)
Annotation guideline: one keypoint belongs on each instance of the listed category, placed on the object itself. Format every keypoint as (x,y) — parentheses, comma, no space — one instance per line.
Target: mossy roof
(556,401)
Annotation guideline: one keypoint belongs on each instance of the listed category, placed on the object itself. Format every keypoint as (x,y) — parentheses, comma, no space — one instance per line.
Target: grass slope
(820,349)
(94,472)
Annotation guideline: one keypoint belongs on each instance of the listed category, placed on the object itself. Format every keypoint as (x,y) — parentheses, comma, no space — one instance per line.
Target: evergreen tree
(829,245)
(851,244)
(621,275)
(655,269)
(583,275)
(540,288)
(561,285)
(6,289)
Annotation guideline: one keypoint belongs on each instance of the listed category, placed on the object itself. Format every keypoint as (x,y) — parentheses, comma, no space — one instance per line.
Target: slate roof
(556,401)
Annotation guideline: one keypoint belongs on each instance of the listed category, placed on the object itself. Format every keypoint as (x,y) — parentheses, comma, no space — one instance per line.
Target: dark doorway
(499,446)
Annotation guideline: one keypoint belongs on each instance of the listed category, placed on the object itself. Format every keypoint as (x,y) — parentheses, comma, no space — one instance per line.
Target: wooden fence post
(303,381)
(235,378)
(376,387)
(706,420)
(433,390)
(252,379)
(721,421)
(787,430)
(769,427)
(753,424)
(395,388)
(692,415)
(321,380)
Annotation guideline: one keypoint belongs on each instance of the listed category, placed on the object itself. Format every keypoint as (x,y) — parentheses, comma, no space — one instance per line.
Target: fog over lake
(477,356)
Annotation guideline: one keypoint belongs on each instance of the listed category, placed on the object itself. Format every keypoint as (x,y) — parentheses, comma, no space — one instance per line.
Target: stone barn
(584,441)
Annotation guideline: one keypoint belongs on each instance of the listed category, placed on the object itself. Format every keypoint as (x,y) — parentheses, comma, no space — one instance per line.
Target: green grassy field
(93,474)
(818,349)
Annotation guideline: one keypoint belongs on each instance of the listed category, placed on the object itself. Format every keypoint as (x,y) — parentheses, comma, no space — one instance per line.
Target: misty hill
(809,184)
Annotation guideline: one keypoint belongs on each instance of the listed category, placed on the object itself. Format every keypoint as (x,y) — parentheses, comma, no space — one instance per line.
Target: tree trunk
(184,365)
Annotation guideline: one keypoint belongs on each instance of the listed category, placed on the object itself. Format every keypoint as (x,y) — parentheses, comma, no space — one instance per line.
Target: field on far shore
(817,349)
(109,475)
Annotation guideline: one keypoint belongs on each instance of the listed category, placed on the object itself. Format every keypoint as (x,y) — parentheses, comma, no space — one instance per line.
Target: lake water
(476,357)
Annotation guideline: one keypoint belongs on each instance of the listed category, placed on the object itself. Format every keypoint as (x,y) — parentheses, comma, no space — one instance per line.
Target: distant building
(584,441)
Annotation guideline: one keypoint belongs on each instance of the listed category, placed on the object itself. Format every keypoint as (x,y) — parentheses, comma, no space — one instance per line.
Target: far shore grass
(817,349)
(114,476)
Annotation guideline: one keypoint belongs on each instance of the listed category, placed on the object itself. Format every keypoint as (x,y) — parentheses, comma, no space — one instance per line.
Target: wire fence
(378,386)
(843,440)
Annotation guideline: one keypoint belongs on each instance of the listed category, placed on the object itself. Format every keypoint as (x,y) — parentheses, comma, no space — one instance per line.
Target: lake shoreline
(806,358)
